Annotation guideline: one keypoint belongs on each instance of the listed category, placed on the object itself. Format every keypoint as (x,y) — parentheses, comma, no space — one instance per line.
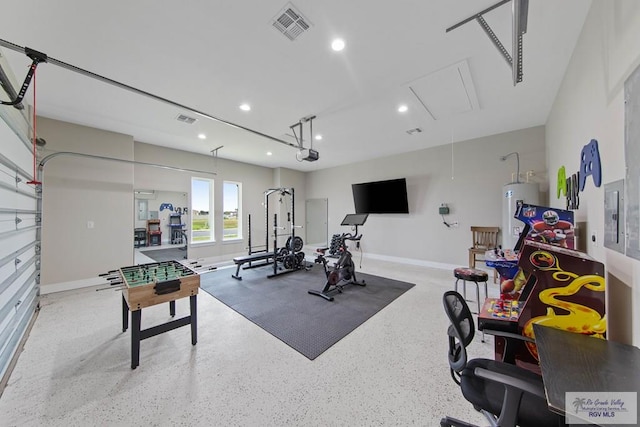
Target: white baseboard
(409,261)
(218,261)
(73,285)
(412,261)
(225,260)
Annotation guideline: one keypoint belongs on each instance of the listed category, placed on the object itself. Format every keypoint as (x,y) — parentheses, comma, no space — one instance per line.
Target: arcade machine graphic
(541,224)
(550,284)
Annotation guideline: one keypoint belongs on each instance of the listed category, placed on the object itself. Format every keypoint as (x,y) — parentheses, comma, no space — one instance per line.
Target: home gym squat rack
(294,244)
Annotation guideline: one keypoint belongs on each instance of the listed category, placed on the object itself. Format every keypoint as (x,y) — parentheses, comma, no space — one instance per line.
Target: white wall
(590,105)
(78,191)
(287,178)
(76,194)
(468,176)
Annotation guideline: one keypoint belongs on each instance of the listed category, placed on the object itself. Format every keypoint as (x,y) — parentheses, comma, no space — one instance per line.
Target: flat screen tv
(381,197)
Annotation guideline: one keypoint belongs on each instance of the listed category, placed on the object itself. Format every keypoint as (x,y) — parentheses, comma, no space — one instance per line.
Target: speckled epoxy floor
(391,371)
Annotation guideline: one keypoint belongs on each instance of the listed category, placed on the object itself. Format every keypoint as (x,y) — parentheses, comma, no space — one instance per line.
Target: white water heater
(527,192)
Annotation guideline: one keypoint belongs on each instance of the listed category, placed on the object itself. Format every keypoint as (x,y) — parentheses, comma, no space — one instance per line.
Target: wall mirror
(171,209)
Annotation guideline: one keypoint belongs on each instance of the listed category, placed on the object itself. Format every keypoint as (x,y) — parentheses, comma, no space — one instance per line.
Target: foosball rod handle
(107,273)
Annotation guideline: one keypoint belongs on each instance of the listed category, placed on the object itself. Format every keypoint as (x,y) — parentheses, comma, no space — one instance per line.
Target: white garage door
(19,231)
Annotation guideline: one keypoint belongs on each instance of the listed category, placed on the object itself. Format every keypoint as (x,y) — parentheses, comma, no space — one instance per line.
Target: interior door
(316,222)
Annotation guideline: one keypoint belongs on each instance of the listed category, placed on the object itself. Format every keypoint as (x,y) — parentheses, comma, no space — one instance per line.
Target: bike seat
(322,250)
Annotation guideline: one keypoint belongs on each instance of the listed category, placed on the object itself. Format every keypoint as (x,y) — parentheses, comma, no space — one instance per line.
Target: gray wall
(78,191)
(590,104)
(467,176)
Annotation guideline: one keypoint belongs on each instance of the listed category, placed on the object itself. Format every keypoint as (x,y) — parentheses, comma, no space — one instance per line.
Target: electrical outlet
(90,224)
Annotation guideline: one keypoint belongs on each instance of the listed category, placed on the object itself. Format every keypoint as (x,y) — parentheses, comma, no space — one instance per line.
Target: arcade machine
(553,285)
(176,227)
(542,224)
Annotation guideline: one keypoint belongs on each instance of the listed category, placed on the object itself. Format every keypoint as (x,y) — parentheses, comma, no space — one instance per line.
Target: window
(232,219)
(202,210)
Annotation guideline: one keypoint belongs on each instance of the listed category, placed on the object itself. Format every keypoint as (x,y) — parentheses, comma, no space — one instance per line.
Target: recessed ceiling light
(403,109)
(202,136)
(245,107)
(318,137)
(337,45)
(269,153)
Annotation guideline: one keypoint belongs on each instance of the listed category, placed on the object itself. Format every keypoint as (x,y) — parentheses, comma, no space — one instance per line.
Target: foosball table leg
(136,317)
(194,319)
(125,315)
(172,308)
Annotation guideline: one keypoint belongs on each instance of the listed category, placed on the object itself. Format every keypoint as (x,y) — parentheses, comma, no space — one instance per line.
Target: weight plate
(289,261)
(296,244)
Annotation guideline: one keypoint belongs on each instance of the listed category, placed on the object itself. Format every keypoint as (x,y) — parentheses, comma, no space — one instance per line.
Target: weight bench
(241,260)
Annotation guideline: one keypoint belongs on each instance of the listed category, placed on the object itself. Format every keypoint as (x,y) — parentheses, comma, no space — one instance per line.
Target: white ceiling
(212,56)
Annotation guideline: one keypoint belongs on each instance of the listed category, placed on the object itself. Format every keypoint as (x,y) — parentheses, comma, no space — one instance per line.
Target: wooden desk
(573,362)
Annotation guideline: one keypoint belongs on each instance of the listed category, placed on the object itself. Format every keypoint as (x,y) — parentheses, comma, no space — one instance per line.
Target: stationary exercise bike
(343,271)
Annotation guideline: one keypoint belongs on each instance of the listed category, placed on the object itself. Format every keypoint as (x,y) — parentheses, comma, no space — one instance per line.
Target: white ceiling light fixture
(245,107)
(403,109)
(269,153)
(202,136)
(318,137)
(337,45)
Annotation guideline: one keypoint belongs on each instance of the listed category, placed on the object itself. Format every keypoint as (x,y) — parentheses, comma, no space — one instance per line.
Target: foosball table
(146,285)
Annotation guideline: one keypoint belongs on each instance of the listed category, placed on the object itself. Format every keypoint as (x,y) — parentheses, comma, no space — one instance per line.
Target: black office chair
(505,394)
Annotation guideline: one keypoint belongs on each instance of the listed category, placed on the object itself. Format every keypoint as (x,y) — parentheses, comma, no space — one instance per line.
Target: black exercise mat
(305,322)
(166,254)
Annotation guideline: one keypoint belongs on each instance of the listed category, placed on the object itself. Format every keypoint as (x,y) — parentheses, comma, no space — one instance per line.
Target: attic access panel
(446,92)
